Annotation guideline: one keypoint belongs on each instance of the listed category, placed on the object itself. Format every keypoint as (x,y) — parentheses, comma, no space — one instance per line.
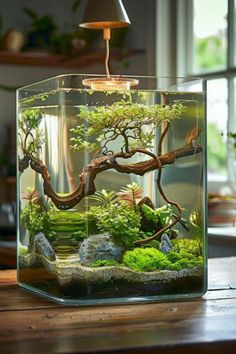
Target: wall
(141,36)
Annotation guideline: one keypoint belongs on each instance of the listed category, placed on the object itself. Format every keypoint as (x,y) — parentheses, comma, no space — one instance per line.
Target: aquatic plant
(120,220)
(31,194)
(186,253)
(160,215)
(22,249)
(146,259)
(131,193)
(150,259)
(78,225)
(104,198)
(186,245)
(106,263)
(30,137)
(35,219)
(186,263)
(152,244)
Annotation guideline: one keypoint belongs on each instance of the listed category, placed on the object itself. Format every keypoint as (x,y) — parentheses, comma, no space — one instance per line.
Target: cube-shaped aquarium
(111,189)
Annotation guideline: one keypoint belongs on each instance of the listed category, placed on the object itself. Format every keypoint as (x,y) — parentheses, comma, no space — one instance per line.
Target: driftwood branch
(160,232)
(87,178)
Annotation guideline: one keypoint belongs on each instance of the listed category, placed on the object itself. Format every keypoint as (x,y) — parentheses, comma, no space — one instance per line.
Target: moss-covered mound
(185,254)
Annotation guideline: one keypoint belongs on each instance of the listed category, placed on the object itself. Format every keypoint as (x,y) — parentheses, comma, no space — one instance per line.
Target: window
(210,35)
(206,45)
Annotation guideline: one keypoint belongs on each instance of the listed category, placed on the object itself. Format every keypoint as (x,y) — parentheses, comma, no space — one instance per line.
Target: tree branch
(87,177)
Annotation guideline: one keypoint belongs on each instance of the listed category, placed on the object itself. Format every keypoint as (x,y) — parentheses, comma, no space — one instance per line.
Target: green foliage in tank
(22,249)
(131,193)
(186,254)
(146,259)
(150,259)
(44,217)
(78,224)
(152,244)
(162,214)
(104,197)
(34,218)
(120,220)
(30,137)
(123,120)
(187,245)
(185,263)
(106,263)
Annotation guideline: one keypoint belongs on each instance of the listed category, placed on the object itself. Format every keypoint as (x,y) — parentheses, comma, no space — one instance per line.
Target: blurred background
(41,39)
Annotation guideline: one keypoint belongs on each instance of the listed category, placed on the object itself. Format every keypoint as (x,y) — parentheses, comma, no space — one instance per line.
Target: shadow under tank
(111,190)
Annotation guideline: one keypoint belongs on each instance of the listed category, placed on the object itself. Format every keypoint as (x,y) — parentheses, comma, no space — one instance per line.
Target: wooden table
(29,324)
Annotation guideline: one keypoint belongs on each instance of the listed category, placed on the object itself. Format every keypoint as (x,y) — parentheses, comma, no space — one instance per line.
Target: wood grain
(30,324)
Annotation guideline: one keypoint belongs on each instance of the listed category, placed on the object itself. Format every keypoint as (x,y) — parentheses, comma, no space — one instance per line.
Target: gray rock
(98,247)
(42,247)
(165,245)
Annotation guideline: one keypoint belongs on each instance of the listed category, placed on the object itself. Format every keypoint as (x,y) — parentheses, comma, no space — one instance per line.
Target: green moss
(151,259)
(145,259)
(105,263)
(53,222)
(183,259)
(187,245)
(22,249)
(186,254)
(174,266)
(186,263)
(176,256)
(67,217)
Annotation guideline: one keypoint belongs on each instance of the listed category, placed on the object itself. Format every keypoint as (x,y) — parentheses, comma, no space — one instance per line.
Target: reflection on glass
(210,35)
(217,96)
(232,146)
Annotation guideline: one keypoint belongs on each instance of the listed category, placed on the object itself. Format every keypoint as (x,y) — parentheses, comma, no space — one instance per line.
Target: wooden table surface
(30,324)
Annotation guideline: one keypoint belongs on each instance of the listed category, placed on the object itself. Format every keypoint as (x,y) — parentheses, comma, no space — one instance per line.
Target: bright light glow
(217,116)
(110,83)
(217,106)
(210,17)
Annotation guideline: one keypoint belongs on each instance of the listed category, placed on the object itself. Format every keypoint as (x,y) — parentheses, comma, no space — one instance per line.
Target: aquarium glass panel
(111,190)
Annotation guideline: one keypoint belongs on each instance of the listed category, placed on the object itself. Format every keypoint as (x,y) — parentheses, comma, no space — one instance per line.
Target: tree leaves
(132,123)
(30,136)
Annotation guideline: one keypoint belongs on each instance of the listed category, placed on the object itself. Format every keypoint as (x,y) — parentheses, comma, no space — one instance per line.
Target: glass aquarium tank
(111,189)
